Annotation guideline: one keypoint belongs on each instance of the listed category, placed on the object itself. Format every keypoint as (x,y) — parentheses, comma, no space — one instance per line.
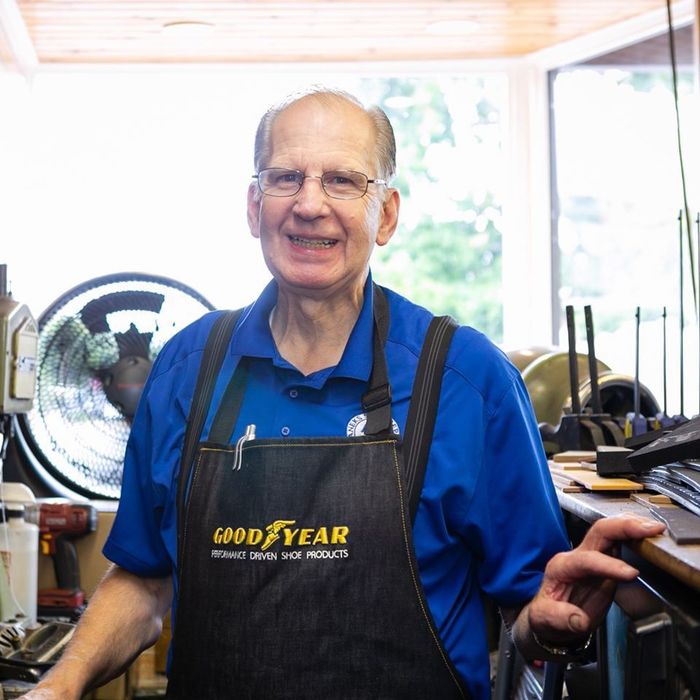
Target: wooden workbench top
(681,561)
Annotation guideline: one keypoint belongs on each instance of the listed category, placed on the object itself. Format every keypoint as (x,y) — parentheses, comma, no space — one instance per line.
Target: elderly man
(352,497)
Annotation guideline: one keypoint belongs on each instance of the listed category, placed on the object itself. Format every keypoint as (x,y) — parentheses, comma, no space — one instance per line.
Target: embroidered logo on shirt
(356,426)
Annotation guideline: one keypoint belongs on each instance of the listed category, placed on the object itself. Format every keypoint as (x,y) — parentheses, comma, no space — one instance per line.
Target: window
(618,190)
(147,171)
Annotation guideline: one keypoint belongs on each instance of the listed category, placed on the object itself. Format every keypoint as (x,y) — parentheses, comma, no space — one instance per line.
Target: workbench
(680,561)
(649,647)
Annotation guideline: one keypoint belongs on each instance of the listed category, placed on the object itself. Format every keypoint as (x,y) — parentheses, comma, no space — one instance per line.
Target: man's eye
(286,178)
(342,179)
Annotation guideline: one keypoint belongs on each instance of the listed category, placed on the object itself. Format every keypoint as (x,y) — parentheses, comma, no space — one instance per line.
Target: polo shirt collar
(254,338)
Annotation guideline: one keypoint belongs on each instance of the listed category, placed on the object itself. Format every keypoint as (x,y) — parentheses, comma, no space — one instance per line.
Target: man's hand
(123,618)
(579,585)
(42,694)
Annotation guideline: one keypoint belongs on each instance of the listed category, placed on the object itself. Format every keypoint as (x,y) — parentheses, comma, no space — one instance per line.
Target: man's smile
(312,243)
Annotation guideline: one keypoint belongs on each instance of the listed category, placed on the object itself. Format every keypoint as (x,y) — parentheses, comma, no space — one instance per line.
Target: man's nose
(311,198)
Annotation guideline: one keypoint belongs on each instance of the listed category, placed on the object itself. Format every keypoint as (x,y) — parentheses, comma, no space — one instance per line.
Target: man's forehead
(327,108)
(330,123)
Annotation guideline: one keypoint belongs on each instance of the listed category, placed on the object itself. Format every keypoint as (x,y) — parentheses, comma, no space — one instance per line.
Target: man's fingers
(578,585)
(607,531)
(579,564)
(560,620)
(594,596)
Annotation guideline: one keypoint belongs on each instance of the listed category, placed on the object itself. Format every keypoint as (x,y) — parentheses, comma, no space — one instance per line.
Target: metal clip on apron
(297,574)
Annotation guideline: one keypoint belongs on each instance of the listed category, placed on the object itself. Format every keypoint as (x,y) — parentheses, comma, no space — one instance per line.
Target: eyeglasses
(338,184)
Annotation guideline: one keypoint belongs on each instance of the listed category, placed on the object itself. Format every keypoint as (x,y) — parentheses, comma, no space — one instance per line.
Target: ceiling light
(188,27)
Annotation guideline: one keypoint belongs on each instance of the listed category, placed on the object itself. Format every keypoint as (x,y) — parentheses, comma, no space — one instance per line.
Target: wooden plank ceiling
(222,31)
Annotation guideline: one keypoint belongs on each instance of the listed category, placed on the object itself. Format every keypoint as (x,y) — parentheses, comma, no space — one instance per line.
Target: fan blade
(94,313)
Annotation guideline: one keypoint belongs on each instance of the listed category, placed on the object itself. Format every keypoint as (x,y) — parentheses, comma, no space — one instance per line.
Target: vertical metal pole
(636,365)
(506,666)
(553,680)
(680,309)
(664,366)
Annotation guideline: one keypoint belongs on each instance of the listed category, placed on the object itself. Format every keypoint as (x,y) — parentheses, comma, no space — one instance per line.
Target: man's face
(313,244)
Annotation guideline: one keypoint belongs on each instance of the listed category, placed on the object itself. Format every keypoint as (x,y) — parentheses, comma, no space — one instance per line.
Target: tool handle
(592,363)
(65,563)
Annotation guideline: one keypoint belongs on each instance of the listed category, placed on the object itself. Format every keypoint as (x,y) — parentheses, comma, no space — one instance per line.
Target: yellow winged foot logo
(273,530)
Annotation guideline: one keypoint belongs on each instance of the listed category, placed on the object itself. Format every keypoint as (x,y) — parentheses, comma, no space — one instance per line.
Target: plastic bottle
(19,554)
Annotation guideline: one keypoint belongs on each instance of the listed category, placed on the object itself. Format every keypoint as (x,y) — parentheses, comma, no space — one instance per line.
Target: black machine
(599,422)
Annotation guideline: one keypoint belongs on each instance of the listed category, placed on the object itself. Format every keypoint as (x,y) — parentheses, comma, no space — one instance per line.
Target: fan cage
(74,437)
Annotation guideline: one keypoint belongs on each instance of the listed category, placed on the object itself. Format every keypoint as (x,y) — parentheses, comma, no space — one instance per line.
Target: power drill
(59,524)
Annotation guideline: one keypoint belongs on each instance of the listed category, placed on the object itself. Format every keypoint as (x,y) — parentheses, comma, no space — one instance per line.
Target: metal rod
(679,140)
(636,365)
(680,308)
(573,361)
(664,365)
(3,280)
(592,364)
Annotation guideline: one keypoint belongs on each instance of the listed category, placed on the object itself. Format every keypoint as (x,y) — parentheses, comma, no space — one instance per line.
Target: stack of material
(575,471)
(676,500)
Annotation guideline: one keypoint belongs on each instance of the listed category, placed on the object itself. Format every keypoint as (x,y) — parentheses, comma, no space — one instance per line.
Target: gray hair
(385,142)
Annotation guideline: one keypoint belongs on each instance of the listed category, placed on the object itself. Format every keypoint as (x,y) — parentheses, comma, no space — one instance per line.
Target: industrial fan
(97,343)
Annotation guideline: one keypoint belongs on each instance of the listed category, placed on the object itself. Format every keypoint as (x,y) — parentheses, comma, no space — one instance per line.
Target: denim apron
(298,578)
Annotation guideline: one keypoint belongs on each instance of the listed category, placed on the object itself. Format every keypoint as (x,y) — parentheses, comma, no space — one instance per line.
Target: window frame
(544,202)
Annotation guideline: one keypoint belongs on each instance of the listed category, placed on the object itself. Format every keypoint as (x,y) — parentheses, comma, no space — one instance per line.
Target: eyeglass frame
(368,182)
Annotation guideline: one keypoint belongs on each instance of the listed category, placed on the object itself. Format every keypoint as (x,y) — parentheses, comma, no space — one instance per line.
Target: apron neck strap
(376,401)
(230,406)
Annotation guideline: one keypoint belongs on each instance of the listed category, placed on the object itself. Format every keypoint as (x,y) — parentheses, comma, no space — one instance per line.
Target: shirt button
(293,393)
(285,431)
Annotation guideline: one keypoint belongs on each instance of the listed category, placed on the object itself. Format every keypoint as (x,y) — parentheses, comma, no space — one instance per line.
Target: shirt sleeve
(516,512)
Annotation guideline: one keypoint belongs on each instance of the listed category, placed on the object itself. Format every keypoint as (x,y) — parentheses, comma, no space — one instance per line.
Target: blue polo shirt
(488,519)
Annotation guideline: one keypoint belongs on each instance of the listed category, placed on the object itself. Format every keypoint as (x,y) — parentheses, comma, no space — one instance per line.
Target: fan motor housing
(124,382)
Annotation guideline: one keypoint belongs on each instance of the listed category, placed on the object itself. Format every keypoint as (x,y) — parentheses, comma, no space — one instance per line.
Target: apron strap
(212,359)
(422,411)
(227,413)
(376,401)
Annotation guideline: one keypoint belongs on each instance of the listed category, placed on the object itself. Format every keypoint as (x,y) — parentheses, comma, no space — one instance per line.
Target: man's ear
(389,216)
(254,201)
